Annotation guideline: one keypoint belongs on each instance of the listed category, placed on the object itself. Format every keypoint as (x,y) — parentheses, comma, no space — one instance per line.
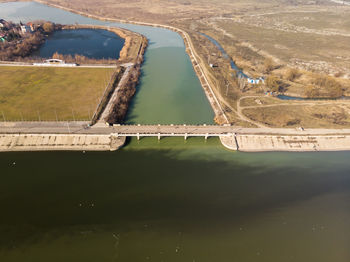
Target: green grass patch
(33,93)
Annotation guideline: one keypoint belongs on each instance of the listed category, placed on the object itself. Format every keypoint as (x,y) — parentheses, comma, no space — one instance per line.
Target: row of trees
(20,46)
(128,90)
(10,51)
(319,85)
(324,86)
(125,93)
(80,59)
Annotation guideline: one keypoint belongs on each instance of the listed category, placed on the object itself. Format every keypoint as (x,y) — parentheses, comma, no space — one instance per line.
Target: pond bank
(132,44)
(303,98)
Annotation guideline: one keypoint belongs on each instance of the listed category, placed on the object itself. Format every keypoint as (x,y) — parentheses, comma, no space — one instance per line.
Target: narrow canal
(172,200)
(233,65)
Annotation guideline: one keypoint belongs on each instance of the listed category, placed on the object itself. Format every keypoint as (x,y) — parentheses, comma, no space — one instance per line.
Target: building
(25,29)
(31,26)
(2,37)
(2,23)
(255,81)
(54,61)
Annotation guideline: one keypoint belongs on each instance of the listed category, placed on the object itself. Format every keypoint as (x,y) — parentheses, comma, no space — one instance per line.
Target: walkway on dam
(153,130)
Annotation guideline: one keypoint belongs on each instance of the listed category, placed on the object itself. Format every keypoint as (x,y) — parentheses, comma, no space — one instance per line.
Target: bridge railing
(180,134)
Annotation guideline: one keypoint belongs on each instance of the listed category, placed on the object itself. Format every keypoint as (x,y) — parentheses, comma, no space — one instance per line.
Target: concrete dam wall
(59,142)
(260,143)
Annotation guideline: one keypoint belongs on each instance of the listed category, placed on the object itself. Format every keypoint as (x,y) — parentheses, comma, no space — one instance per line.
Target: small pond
(92,43)
(284,97)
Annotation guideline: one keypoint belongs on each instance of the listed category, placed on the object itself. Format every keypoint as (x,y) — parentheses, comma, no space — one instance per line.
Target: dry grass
(316,116)
(160,10)
(254,101)
(318,41)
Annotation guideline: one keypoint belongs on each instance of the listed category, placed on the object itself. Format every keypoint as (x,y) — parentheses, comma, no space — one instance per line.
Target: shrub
(48,27)
(268,66)
(273,83)
(331,86)
(292,74)
(312,91)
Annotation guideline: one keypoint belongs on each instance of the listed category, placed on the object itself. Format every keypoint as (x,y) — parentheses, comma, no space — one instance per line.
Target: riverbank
(59,142)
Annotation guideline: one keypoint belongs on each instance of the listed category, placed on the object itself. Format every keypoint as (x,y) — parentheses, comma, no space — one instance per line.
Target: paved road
(112,101)
(152,130)
(16,64)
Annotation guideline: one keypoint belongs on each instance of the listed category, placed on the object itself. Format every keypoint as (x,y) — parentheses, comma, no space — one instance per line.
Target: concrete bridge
(160,131)
(73,127)
(117,130)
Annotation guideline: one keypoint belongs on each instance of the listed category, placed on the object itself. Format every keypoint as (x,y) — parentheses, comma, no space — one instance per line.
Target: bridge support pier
(138,136)
(158,136)
(186,136)
(206,136)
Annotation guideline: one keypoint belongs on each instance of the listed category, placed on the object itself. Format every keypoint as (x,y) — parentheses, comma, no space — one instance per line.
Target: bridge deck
(172,130)
(153,130)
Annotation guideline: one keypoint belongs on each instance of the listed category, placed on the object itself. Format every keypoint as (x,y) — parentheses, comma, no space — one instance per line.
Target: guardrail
(160,135)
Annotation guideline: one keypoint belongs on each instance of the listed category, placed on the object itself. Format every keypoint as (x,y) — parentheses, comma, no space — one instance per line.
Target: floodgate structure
(34,136)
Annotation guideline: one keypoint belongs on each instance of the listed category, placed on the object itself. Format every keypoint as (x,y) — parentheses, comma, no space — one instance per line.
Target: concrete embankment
(296,143)
(59,142)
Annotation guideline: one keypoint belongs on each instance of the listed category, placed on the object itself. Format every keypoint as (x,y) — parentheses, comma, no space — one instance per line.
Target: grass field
(50,94)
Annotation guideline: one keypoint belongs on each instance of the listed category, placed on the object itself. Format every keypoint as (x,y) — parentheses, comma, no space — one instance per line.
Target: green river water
(172,200)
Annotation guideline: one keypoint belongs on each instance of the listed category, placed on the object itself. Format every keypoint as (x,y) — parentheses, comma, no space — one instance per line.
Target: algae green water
(172,200)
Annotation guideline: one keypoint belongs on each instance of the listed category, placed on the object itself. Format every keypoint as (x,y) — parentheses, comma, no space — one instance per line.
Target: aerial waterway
(170,200)
(239,71)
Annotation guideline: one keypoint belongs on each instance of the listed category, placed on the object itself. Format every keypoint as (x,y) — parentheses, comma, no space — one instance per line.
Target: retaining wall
(59,142)
(260,143)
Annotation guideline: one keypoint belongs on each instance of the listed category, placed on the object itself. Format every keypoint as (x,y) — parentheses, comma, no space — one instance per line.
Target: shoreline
(125,34)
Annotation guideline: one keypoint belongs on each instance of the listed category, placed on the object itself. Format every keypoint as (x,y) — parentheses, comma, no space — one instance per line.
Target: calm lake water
(172,200)
(92,43)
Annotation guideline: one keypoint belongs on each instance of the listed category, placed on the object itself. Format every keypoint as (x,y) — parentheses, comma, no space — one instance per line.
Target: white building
(255,81)
(2,23)
(25,29)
